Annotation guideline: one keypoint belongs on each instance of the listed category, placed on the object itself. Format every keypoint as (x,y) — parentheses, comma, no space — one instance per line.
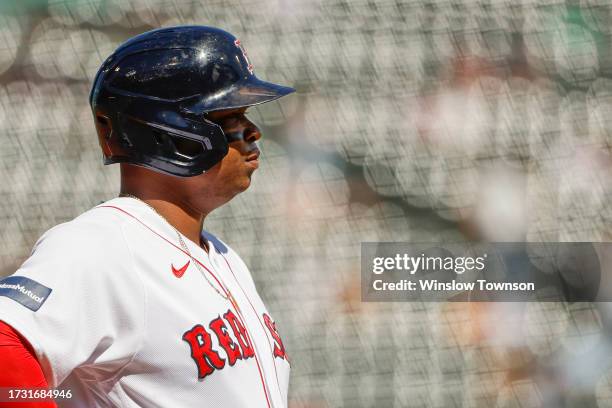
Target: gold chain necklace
(229,295)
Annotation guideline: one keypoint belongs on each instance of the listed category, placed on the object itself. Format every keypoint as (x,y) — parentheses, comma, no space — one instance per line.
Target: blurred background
(420,121)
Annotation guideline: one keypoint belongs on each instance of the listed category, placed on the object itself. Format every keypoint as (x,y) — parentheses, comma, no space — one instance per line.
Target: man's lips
(252,159)
(253,156)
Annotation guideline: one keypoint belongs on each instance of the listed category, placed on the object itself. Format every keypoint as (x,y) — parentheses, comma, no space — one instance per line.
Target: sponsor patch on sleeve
(26,291)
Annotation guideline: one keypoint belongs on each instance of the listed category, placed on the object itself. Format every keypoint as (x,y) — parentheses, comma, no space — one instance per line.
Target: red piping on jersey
(258,319)
(217,280)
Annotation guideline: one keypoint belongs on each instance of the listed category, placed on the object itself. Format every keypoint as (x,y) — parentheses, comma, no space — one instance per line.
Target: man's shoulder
(93,241)
(92,228)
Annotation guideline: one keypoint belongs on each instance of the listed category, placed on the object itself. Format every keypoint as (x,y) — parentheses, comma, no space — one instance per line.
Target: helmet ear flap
(185,148)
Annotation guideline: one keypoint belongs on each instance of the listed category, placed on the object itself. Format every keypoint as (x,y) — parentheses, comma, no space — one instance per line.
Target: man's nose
(251,133)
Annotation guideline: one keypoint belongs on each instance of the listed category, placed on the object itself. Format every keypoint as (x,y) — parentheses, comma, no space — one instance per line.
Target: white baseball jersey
(119,313)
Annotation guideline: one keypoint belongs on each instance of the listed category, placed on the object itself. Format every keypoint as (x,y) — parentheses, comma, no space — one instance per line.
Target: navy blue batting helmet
(150,98)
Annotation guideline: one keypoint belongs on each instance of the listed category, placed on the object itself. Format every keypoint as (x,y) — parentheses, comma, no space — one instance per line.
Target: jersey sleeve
(19,367)
(78,301)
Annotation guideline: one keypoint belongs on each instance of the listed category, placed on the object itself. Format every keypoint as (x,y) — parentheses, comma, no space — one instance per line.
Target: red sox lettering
(206,358)
(240,333)
(279,348)
(236,348)
(231,349)
(238,44)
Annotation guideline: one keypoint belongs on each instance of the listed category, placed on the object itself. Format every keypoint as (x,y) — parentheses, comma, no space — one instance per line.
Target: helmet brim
(242,94)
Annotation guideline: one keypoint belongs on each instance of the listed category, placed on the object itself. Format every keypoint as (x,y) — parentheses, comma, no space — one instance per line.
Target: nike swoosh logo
(180,272)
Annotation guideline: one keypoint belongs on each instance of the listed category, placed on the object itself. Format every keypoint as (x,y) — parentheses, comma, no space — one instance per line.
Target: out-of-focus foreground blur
(414,121)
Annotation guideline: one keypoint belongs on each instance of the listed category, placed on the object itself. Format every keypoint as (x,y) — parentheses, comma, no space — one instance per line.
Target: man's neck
(165,195)
(185,219)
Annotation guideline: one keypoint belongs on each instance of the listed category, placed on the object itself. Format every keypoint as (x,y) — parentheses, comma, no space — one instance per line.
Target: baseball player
(131,304)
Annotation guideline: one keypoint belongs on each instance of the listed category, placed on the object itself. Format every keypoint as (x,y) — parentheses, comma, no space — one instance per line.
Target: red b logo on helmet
(244,53)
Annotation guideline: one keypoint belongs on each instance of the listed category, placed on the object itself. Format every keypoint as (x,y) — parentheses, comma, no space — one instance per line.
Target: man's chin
(244,184)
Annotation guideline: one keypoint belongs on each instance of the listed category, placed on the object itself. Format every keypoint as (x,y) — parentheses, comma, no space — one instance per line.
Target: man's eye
(227,121)
(231,121)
